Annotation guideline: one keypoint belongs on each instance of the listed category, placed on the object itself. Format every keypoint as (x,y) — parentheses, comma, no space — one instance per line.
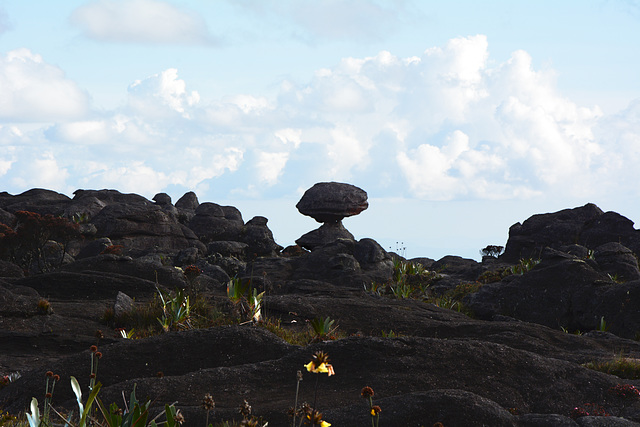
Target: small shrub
(323,328)
(44,307)
(524,265)
(492,250)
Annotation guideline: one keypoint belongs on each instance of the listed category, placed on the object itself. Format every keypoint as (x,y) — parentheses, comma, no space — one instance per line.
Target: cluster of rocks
(511,365)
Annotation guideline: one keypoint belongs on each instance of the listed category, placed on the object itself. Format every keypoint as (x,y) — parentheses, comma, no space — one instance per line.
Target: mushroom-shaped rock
(162,199)
(332,201)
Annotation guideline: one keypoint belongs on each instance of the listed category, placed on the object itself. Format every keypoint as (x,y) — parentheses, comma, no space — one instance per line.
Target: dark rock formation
(512,365)
(213,222)
(617,261)
(332,201)
(327,233)
(143,228)
(588,226)
(329,203)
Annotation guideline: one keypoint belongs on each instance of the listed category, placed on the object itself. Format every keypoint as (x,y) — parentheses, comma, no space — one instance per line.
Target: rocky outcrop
(511,365)
(213,222)
(329,203)
(588,226)
(143,228)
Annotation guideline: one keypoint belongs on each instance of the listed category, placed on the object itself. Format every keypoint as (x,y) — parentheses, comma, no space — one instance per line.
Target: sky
(458,118)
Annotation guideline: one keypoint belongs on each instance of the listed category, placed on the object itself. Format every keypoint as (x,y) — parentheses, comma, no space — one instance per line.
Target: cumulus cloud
(161,93)
(33,90)
(270,166)
(42,171)
(140,21)
(446,123)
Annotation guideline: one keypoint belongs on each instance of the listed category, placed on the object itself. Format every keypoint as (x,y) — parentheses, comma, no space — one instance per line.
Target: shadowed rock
(332,201)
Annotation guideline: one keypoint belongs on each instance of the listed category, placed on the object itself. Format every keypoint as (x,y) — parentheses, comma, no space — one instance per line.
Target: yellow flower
(319,364)
(324,424)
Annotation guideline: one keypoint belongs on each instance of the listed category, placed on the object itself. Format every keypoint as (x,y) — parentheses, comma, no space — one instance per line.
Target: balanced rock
(332,201)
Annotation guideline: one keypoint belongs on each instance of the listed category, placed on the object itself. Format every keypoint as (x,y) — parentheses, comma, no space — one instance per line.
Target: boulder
(36,200)
(124,304)
(618,261)
(259,238)
(164,201)
(332,201)
(9,269)
(189,202)
(94,248)
(84,207)
(527,240)
(18,301)
(109,197)
(610,227)
(143,228)
(213,222)
(556,293)
(587,226)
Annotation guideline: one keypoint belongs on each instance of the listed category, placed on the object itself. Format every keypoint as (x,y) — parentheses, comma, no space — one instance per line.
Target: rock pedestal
(329,203)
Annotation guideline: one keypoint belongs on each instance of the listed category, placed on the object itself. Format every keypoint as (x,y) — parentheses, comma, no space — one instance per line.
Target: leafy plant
(175,310)
(615,278)
(84,409)
(246,300)
(402,290)
(602,325)
(323,328)
(524,265)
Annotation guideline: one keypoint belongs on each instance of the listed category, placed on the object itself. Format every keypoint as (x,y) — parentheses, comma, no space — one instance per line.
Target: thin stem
(315,396)
(295,406)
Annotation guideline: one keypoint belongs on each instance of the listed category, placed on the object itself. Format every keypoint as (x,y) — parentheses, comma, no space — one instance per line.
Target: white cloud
(160,93)
(33,90)
(41,171)
(140,21)
(270,166)
(446,124)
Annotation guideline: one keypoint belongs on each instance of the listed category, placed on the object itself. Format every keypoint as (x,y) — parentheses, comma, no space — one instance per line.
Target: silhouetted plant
(25,243)
(492,250)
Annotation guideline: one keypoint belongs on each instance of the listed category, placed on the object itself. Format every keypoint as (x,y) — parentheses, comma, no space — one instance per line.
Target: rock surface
(509,365)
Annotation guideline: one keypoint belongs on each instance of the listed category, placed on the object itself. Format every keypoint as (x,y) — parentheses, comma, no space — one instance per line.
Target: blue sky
(458,118)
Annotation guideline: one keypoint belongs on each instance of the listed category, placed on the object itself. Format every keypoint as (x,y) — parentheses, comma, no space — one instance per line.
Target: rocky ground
(517,361)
